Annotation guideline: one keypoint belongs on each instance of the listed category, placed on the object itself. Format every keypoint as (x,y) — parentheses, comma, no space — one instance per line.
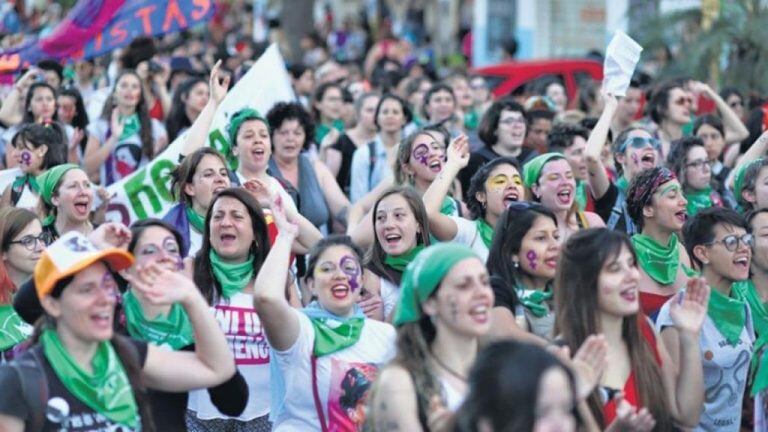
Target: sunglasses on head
(640,143)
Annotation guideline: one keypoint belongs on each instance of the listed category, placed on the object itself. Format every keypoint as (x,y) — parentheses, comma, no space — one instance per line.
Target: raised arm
(735,130)
(197,136)
(754,152)
(12,109)
(442,226)
(598,178)
(96,152)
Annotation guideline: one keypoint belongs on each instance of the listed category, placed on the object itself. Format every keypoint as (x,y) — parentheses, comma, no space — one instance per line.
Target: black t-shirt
(347,148)
(609,209)
(504,294)
(63,412)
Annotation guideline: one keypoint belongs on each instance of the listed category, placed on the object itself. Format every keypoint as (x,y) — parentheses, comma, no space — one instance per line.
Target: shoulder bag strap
(316,395)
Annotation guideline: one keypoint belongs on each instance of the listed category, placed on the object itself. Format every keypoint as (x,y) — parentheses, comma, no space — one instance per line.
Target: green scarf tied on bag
(173,330)
(729,314)
(698,200)
(535,301)
(485,230)
(12,329)
(400,262)
(195,219)
(659,262)
(233,278)
(106,390)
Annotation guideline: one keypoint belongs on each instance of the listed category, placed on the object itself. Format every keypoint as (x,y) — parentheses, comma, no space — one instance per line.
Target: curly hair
(562,136)
(286,111)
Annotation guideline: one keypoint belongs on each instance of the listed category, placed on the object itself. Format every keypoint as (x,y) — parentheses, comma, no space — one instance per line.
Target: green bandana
(235,122)
(738,179)
(759,369)
(423,275)
(232,277)
(197,221)
(12,329)
(322,130)
(659,262)
(535,301)
(448,207)
(485,230)
(106,390)
(332,335)
(48,180)
(532,169)
(728,314)
(471,120)
(173,330)
(698,200)
(400,262)
(581,195)
(131,126)
(20,181)
(623,184)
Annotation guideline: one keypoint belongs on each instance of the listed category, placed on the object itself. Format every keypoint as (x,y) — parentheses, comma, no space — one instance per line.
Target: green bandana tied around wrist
(131,126)
(581,195)
(423,275)
(532,169)
(195,219)
(698,200)
(333,333)
(12,329)
(738,178)
(535,301)
(106,390)
(728,314)
(448,207)
(20,181)
(759,369)
(48,180)
(232,277)
(659,262)
(173,330)
(400,262)
(485,230)
(622,184)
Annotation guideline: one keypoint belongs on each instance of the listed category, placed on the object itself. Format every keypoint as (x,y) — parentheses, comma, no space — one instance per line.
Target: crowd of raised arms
(388,252)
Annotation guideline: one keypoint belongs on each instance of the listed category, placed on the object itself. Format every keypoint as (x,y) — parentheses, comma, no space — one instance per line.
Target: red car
(504,78)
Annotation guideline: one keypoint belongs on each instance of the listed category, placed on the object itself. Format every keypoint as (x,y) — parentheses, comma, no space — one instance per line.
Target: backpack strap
(371,163)
(34,385)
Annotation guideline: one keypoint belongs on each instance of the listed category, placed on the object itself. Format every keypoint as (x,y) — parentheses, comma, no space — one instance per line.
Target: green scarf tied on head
(235,122)
(728,314)
(535,301)
(106,390)
(173,330)
(532,169)
(20,181)
(48,180)
(131,126)
(232,277)
(622,184)
(698,200)
(400,262)
(738,178)
(658,261)
(422,277)
(195,219)
(485,230)
(12,329)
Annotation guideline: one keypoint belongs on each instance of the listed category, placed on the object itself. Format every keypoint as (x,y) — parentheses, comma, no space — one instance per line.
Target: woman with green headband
(688,159)
(66,199)
(657,206)
(495,186)
(444,310)
(326,356)
(750,178)
(719,242)
(550,179)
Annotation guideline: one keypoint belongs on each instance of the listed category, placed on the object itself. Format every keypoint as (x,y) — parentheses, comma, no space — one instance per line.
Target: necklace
(447,369)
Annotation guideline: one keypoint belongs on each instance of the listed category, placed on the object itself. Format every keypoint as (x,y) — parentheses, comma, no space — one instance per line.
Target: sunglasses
(731,242)
(684,100)
(640,143)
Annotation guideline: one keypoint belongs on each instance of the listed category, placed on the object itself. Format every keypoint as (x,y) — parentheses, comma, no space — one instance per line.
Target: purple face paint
(108,285)
(635,159)
(26,158)
(532,257)
(350,267)
(421,153)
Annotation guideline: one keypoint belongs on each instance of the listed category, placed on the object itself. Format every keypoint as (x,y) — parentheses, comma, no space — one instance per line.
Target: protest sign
(621,58)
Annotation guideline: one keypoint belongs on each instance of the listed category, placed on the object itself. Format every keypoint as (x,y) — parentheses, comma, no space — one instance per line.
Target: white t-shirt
(343,378)
(390,294)
(127,156)
(453,398)
(245,335)
(28,199)
(195,242)
(468,234)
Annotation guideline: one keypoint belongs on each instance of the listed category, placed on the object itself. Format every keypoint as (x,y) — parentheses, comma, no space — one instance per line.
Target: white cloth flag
(621,58)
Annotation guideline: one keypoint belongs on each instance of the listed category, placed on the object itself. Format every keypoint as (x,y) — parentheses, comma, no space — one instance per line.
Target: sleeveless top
(312,203)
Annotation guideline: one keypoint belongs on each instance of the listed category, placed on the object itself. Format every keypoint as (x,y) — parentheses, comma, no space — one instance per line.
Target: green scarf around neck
(12,329)
(728,314)
(195,219)
(623,184)
(485,230)
(581,195)
(332,332)
(448,207)
(400,262)
(232,277)
(698,200)
(658,261)
(759,368)
(106,390)
(535,301)
(131,126)
(20,181)
(173,330)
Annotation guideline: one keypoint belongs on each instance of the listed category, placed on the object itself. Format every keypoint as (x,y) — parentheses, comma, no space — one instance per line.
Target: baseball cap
(68,255)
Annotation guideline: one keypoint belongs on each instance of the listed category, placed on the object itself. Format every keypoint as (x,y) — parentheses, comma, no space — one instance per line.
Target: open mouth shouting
(435,166)
(392,240)
(681,216)
(510,197)
(227,239)
(629,294)
(82,206)
(565,196)
(479,313)
(742,263)
(648,160)
(340,291)
(102,320)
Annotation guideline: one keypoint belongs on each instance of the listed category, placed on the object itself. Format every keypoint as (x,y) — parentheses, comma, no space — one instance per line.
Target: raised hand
(260,191)
(458,152)
(689,308)
(589,363)
(77,135)
(629,418)
(111,235)
(116,124)
(372,305)
(160,286)
(218,83)
(284,225)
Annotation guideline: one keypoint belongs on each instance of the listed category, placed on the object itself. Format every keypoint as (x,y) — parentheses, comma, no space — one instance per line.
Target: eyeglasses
(684,100)
(30,242)
(640,143)
(510,121)
(700,164)
(731,242)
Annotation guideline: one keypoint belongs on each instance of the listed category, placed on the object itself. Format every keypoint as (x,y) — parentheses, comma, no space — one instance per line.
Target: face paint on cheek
(532,257)
(26,158)
(420,153)
(348,265)
(108,285)
(635,159)
(454,305)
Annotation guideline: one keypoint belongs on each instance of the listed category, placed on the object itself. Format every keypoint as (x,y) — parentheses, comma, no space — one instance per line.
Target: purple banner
(96,27)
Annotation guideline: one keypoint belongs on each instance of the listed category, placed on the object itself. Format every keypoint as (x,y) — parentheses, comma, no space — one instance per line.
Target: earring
(516,264)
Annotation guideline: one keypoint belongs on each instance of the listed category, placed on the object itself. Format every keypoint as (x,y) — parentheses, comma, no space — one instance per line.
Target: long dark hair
(576,301)
(177,118)
(36,135)
(80,120)
(186,170)
(204,278)
(477,183)
(28,116)
(147,143)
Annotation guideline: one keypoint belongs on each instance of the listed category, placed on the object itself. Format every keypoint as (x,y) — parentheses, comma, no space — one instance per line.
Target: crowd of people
(391,250)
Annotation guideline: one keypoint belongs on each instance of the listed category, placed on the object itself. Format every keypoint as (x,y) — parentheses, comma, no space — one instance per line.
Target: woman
(326,355)
(71,111)
(657,206)
(596,293)
(66,199)
(670,109)
(188,102)
(550,179)
(519,387)
(719,243)
(21,243)
(491,190)
(402,231)
(373,163)
(124,138)
(168,326)
(39,107)
(439,106)
(556,93)
(688,159)
(442,313)
(327,107)
(321,198)
(235,244)
(36,148)
(90,374)
(522,264)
